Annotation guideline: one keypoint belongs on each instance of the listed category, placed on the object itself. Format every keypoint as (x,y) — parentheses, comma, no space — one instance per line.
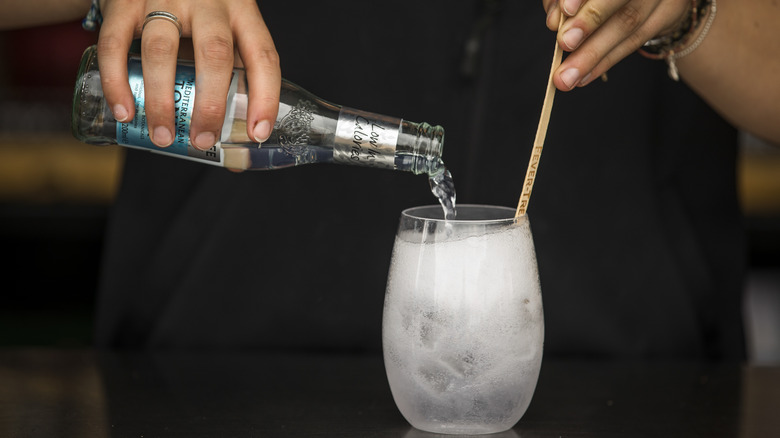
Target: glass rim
(409,213)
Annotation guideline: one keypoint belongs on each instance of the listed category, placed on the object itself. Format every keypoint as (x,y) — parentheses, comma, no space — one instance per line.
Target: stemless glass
(463,328)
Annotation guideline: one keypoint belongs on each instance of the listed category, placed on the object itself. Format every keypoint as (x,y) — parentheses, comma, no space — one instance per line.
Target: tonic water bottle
(307,130)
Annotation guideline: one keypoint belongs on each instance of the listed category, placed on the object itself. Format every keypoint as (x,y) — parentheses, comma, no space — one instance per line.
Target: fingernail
(120,113)
(262,131)
(162,136)
(573,37)
(570,77)
(205,140)
(570,7)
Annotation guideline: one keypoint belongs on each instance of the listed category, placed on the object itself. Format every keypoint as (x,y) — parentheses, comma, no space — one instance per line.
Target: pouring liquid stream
(443,188)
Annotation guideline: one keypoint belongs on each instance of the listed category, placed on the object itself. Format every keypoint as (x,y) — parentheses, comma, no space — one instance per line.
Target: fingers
(553,14)
(159,47)
(586,18)
(215,27)
(213,42)
(600,33)
(114,41)
(570,7)
(212,39)
(608,40)
(261,61)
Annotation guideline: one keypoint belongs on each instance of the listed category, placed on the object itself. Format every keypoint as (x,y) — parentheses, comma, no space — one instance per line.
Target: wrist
(684,38)
(679,36)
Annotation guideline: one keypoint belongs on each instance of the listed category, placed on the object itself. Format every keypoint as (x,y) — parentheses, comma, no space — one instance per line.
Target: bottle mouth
(435,137)
(430,142)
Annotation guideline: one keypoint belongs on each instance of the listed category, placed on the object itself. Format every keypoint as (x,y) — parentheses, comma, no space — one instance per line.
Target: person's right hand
(219,29)
(600,33)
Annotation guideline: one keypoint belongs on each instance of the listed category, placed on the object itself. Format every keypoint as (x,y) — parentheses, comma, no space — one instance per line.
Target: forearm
(27,13)
(736,69)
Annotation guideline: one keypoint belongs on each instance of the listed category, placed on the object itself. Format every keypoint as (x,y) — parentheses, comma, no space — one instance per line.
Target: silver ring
(163,15)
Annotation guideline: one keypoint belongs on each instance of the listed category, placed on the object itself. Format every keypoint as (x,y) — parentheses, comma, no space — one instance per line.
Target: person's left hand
(600,33)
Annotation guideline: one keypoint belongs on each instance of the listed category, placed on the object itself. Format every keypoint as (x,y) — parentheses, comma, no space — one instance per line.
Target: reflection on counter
(86,393)
(52,393)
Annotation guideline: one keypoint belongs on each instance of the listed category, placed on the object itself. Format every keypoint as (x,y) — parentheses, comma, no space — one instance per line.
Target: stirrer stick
(541,132)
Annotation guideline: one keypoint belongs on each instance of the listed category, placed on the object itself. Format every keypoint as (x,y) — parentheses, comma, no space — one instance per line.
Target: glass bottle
(307,130)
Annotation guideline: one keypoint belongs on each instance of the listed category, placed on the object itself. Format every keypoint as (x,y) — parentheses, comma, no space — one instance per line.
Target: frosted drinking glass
(462,326)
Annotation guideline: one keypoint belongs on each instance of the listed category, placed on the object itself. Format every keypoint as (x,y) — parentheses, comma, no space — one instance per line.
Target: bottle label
(366,139)
(136,132)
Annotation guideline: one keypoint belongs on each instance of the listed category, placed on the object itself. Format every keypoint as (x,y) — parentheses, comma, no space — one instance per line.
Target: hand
(600,33)
(219,29)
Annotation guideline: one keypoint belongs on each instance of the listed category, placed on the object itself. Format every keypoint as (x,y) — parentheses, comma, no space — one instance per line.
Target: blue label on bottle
(136,132)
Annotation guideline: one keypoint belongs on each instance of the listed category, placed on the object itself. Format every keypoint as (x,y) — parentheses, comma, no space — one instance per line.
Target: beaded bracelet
(672,47)
(93,18)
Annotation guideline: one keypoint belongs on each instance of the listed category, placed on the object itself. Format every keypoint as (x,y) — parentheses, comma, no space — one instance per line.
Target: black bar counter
(94,394)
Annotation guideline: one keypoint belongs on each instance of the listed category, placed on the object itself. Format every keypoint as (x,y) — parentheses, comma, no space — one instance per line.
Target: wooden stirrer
(541,132)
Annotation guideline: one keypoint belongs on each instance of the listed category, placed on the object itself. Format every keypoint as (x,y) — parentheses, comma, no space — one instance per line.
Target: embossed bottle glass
(307,130)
